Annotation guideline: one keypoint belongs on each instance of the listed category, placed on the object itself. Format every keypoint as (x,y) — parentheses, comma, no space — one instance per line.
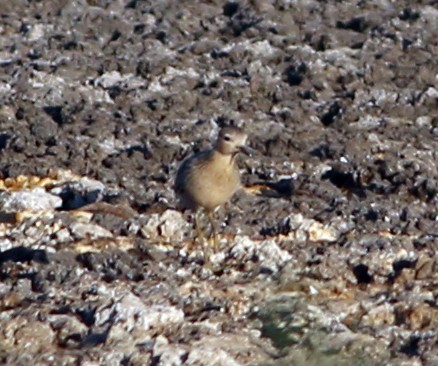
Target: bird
(208,179)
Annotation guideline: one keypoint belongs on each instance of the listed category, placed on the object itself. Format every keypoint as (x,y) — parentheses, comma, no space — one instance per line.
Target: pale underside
(207,179)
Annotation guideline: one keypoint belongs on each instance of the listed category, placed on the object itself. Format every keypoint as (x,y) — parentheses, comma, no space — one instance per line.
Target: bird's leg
(210,215)
(199,232)
(200,235)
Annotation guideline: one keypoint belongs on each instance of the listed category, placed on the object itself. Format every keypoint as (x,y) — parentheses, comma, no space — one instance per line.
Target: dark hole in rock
(55,112)
(155,360)
(400,315)
(24,28)
(223,121)
(307,94)
(406,43)
(115,36)
(409,14)
(410,348)
(398,267)
(34,55)
(152,104)
(87,315)
(4,137)
(161,36)
(22,254)
(314,261)
(126,361)
(62,309)
(232,73)
(143,68)
(294,74)
(135,276)
(335,110)
(70,45)
(75,337)
(265,270)
(357,24)
(132,4)
(94,339)
(344,180)
(209,306)
(372,215)
(230,8)
(114,91)
(206,91)
(73,199)
(273,30)
(243,20)
(57,37)
(214,84)
(404,215)
(38,283)
(215,54)
(361,273)
(89,261)
(139,28)
(426,189)
(51,141)
(284,188)
(322,43)
(109,277)
(322,152)
(357,45)
(402,264)
(20,113)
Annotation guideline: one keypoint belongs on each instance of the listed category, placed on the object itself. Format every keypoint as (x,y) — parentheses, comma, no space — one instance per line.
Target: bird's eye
(227,138)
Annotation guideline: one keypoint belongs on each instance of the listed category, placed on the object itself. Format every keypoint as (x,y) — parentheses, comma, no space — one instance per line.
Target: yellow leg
(199,232)
(200,236)
(210,215)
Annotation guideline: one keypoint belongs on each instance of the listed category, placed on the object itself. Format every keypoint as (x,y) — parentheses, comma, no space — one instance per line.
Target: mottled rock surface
(330,258)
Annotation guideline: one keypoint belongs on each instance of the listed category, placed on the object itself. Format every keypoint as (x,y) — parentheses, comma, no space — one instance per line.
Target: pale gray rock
(35,200)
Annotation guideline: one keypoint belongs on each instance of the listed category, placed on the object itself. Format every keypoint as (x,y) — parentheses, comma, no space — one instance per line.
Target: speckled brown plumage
(210,178)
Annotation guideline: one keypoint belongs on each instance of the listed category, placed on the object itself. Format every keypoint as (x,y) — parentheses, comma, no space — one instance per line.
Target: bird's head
(231,140)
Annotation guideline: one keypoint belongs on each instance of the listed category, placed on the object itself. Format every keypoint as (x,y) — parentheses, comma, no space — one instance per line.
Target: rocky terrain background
(333,261)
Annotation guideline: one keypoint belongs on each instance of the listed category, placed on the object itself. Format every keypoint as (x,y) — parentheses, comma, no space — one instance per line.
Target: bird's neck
(228,159)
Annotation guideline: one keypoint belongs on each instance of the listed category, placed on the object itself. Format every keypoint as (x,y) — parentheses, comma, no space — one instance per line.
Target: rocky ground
(329,258)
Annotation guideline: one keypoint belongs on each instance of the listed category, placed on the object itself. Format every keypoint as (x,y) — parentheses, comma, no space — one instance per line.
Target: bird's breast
(209,182)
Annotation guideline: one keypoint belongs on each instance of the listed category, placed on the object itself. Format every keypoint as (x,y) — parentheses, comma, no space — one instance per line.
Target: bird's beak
(247,150)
